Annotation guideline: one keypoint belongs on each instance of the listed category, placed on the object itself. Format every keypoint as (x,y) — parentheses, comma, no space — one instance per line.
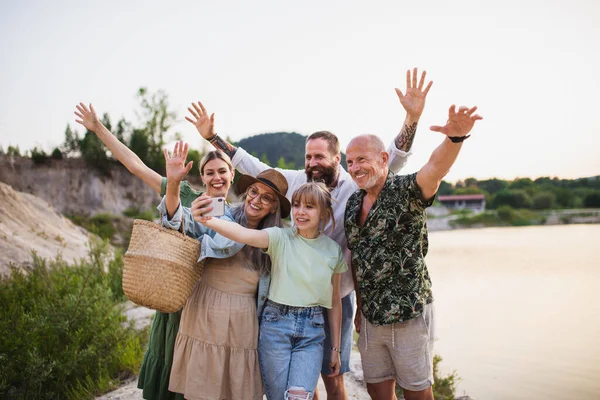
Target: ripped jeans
(290,350)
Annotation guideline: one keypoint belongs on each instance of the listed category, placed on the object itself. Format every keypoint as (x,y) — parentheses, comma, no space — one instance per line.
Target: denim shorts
(346,342)
(290,348)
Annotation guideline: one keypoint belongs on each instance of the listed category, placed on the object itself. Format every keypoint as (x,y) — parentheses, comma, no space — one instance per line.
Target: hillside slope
(30,223)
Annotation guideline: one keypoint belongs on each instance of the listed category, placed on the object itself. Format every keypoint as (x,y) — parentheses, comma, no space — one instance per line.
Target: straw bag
(160,267)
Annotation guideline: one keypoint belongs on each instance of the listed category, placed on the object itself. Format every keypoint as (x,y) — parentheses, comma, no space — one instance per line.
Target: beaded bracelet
(336,349)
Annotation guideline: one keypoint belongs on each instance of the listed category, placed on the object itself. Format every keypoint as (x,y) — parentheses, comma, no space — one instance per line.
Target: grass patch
(62,331)
(136,213)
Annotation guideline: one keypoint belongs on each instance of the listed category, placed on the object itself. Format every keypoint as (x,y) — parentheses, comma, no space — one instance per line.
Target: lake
(518,310)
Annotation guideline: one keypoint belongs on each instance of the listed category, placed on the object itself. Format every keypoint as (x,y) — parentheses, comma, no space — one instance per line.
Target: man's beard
(328,174)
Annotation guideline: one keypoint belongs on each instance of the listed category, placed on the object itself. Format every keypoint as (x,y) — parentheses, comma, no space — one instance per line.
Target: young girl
(305,276)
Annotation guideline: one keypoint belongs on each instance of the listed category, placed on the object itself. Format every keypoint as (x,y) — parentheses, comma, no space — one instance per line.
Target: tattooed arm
(414,103)
(205,126)
(223,145)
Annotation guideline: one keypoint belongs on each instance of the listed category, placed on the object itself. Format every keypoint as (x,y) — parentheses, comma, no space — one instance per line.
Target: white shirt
(250,165)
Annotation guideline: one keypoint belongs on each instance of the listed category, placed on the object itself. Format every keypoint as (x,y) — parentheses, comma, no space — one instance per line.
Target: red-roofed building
(475,202)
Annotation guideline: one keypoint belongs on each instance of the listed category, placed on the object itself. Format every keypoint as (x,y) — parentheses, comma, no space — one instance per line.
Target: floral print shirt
(389,251)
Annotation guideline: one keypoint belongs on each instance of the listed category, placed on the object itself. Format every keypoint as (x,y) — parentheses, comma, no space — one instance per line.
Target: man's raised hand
(204,124)
(459,123)
(413,100)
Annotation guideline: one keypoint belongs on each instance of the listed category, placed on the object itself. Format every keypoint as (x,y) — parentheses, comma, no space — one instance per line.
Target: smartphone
(218,207)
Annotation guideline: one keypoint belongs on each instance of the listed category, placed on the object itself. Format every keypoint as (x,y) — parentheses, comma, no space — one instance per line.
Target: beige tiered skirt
(216,348)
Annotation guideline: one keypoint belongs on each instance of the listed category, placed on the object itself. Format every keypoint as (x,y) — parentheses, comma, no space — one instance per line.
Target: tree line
(540,194)
(286,150)
(146,139)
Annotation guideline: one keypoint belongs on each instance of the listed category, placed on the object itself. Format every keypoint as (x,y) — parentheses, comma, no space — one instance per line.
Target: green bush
(592,200)
(505,213)
(62,331)
(39,156)
(148,215)
(56,154)
(544,201)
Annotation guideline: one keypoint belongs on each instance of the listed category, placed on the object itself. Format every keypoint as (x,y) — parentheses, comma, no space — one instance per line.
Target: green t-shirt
(302,268)
(186,193)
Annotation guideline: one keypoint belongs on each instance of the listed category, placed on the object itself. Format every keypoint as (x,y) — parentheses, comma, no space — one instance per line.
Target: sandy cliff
(30,223)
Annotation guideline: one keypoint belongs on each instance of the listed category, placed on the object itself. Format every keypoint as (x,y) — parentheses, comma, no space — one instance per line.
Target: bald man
(385,224)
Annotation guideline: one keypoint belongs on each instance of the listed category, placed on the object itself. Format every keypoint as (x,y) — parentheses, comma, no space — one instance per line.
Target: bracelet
(336,349)
(458,139)
(212,139)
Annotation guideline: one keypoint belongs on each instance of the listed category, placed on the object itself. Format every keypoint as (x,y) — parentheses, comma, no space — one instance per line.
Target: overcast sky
(532,67)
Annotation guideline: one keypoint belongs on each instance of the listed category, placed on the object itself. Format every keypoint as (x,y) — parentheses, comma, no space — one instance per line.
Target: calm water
(518,310)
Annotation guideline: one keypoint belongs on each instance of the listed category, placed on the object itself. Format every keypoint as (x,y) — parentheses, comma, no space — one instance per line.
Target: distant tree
(56,154)
(493,185)
(106,121)
(471,182)
(471,189)
(1,150)
(284,165)
(195,156)
(157,119)
(38,155)
(445,188)
(140,145)
(565,198)
(516,198)
(544,201)
(592,200)
(94,152)
(72,142)
(521,183)
(121,130)
(270,147)
(13,151)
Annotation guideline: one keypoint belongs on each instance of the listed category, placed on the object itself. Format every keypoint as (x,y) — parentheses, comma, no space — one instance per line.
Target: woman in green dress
(217,174)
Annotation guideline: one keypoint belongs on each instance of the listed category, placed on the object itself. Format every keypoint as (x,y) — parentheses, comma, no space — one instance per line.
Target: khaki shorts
(401,351)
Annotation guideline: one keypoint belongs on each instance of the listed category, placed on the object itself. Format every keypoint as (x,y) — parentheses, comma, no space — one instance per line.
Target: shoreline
(544,218)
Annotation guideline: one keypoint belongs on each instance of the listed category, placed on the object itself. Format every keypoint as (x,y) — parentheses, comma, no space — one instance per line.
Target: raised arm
(234,231)
(128,158)
(414,103)
(176,171)
(205,126)
(242,161)
(457,127)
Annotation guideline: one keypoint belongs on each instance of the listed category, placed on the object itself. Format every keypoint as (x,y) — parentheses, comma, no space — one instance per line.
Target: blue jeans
(290,348)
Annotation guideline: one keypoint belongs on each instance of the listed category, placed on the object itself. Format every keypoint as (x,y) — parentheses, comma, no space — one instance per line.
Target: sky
(532,67)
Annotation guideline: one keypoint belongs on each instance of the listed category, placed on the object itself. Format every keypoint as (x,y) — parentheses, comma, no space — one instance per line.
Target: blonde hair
(316,193)
(214,155)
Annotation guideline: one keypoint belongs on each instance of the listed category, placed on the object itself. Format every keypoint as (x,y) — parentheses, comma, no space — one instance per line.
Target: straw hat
(273,179)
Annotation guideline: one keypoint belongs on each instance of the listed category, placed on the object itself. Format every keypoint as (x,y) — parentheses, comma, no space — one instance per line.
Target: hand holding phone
(218,207)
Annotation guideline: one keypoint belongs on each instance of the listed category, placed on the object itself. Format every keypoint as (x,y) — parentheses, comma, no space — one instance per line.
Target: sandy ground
(354,385)
(143,316)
